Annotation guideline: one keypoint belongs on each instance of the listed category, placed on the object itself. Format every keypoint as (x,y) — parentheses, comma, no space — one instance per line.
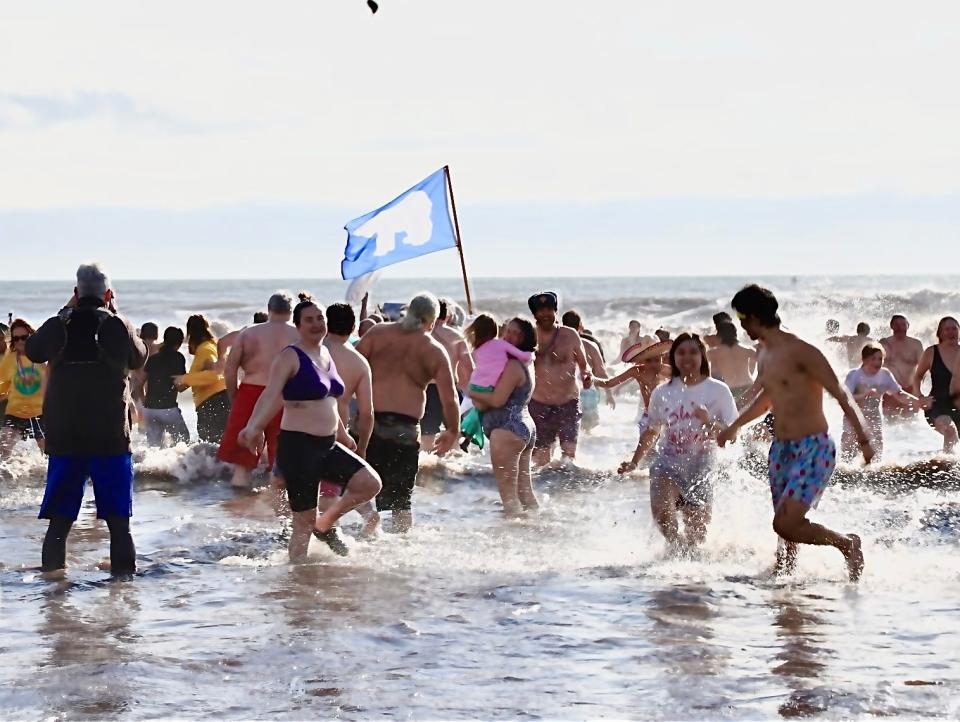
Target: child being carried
(490,353)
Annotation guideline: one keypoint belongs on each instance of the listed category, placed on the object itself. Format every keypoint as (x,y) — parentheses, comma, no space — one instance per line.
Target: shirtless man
(254,350)
(854,344)
(634,336)
(461,360)
(794,374)
(732,362)
(225,342)
(357,393)
(902,356)
(555,406)
(149,334)
(404,357)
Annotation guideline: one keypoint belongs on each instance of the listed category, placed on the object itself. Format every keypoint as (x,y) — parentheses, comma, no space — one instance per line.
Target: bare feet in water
(371,522)
(854,556)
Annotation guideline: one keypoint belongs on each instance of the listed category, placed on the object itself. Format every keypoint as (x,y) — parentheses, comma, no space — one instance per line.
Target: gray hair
(92,281)
(280,302)
(422,309)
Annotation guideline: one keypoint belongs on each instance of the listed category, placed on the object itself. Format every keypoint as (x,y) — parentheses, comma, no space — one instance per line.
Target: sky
(235,139)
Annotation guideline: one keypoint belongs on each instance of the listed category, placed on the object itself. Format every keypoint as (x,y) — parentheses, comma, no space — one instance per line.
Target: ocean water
(578,613)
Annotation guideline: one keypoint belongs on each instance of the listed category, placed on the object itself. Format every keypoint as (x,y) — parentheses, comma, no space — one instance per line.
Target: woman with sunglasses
(22,382)
(686,414)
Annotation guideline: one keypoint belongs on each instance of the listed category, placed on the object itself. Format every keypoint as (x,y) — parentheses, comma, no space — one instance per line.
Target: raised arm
(47,342)
(631,373)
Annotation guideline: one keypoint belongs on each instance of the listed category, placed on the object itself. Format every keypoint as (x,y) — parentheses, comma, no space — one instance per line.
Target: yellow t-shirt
(207,382)
(22,381)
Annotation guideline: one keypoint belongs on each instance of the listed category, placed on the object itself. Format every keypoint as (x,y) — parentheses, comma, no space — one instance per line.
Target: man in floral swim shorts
(794,375)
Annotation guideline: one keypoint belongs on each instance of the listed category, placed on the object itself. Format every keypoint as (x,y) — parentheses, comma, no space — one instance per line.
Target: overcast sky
(231,139)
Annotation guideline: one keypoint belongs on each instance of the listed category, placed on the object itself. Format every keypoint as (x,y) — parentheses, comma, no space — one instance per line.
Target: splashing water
(578,612)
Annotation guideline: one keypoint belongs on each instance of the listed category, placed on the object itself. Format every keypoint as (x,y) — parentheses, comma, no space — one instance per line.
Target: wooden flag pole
(456,227)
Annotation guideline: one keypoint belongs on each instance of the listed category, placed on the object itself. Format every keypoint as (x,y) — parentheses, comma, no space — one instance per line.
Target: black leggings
(123,555)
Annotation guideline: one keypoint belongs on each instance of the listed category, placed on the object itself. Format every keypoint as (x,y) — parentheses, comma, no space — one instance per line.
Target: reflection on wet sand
(89,649)
(682,637)
(803,657)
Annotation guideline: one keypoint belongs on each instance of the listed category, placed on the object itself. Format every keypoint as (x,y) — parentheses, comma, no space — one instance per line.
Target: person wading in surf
(793,375)
(689,410)
(555,406)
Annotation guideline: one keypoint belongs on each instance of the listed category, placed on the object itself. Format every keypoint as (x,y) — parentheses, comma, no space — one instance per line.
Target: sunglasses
(14,339)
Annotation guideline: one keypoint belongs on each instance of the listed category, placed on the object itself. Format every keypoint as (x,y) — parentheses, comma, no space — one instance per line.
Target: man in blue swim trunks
(793,375)
(87,412)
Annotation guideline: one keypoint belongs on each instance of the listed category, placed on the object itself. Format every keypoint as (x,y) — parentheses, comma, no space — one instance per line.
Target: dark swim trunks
(394,452)
(304,459)
(432,419)
(555,422)
(26,428)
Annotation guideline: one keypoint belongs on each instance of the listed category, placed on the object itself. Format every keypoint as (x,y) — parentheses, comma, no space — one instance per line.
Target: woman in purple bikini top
(311,382)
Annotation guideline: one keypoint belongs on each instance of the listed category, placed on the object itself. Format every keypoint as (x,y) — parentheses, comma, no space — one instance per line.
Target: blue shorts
(112,478)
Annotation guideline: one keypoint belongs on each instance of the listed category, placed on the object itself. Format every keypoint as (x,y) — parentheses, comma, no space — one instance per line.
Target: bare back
(796,396)
(257,346)
(734,365)
(456,347)
(402,363)
(556,365)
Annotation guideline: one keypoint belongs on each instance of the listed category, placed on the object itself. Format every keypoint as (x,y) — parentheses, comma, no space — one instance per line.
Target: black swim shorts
(304,460)
(432,419)
(26,428)
(394,452)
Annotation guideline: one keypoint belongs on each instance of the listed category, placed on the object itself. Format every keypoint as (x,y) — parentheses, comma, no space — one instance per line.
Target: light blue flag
(412,224)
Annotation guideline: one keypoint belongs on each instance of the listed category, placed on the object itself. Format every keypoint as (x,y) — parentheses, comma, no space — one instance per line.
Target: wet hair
(149,331)
(720,317)
(832,326)
(21,323)
(483,328)
(869,350)
(92,281)
(727,332)
(758,302)
(172,338)
(944,320)
(863,329)
(281,301)
(341,320)
(897,317)
(198,331)
(442,313)
(260,317)
(683,338)
(529,340)
(306,301)
(572,319)
(422,309)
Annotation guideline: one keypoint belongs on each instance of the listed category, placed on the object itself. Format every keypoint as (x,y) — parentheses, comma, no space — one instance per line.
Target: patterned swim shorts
(800,469)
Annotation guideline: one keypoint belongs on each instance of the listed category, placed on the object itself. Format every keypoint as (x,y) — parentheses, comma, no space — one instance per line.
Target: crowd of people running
(341,410)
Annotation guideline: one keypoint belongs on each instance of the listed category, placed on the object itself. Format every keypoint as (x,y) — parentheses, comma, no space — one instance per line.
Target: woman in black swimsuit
(939,360)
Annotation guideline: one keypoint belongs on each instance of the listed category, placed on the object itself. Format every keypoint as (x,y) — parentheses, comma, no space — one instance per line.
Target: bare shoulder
(568,335)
